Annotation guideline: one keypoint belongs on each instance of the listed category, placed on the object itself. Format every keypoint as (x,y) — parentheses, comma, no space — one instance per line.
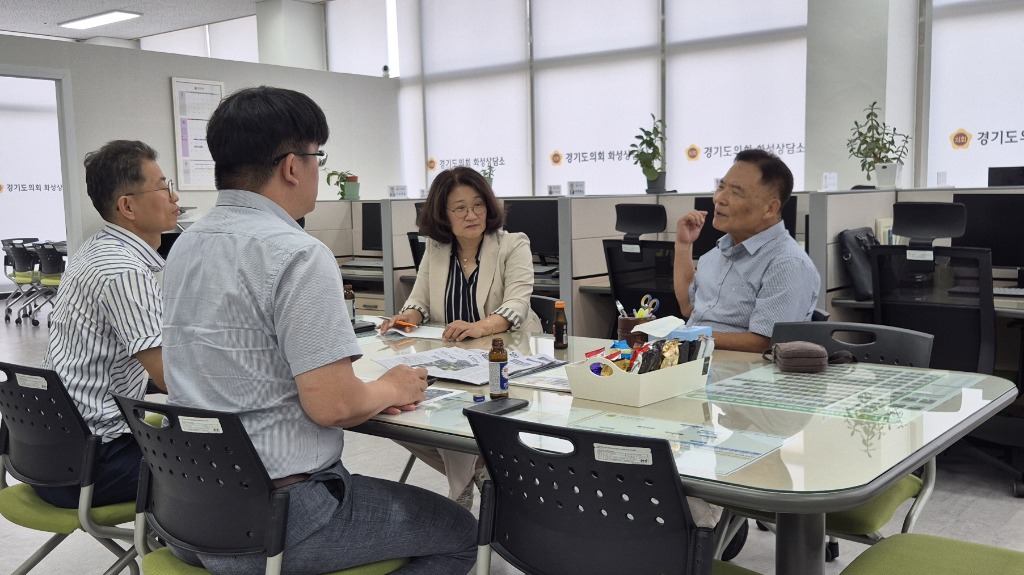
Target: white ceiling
(158,16)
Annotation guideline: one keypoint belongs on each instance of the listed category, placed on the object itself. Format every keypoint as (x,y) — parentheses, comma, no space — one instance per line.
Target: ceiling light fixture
(100,20)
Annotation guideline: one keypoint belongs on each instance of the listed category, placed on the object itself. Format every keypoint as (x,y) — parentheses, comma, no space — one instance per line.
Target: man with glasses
(105,333)
(255,324)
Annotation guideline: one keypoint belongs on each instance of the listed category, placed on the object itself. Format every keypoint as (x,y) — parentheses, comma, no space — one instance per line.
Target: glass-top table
(796,445)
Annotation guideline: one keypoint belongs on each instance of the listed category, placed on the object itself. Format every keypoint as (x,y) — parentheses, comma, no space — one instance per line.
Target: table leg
(800,544)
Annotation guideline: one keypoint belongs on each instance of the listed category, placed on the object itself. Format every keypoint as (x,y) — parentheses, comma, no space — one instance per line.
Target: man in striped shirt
(105,333)
(757,275)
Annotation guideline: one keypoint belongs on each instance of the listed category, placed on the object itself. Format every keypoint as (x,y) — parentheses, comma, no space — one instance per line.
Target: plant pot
(657,185)
(351,190)
(888,175)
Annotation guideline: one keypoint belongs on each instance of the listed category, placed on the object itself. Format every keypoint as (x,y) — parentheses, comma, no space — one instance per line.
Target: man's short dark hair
(435,219)
(110,170)
(774,172)
(253,126)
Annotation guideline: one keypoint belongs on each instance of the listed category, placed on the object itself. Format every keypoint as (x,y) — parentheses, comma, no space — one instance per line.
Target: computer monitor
(538,219)
(994,222)
(1009,176)
(373,235)
(167,240)
(709,235)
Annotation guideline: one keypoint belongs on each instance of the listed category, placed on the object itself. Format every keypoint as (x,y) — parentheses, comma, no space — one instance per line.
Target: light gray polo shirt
(251,301)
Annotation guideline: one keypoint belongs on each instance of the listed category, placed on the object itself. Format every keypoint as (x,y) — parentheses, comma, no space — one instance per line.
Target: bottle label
(561,334)
(498,377)
(351,305)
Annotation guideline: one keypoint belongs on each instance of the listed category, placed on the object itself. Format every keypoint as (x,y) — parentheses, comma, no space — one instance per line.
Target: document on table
(467,365)
(422,332)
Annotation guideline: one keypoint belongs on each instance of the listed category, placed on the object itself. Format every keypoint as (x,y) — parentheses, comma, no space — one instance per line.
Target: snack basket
(633,389)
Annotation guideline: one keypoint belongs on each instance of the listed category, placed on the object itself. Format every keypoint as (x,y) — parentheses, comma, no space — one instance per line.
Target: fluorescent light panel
(100,20)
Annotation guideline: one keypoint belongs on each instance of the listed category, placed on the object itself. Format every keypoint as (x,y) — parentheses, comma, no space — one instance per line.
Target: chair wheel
(17,321)
(35,322)
(1018,488)
(831,550)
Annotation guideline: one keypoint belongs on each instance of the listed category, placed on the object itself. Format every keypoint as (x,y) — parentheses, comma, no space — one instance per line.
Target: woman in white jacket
(475,278)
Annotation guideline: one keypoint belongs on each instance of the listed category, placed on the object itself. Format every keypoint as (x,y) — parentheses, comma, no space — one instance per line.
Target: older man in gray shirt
(757,275)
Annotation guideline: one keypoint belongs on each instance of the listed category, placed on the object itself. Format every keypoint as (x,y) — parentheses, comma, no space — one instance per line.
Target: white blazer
(504,281)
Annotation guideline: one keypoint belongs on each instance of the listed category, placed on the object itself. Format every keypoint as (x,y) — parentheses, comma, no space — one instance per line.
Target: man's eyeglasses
(319,153)
(169,188)
(463,211)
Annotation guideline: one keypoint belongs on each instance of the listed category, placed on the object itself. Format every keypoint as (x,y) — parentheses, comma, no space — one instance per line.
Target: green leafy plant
(340,179)
(488,173)
(875,142)
(647,152)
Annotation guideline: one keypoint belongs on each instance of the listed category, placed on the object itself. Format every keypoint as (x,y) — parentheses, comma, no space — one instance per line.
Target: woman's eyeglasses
(463,211)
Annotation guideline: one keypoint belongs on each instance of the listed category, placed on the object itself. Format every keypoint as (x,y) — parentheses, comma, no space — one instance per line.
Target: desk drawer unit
(369,303)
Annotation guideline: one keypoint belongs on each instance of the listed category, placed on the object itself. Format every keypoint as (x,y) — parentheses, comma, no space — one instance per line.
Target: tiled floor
(972,501)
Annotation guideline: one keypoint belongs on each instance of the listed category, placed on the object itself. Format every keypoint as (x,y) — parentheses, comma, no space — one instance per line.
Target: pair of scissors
(648,305)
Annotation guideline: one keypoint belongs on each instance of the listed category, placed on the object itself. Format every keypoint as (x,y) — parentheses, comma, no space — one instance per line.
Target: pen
(397,321)
(536,369)
(622,310)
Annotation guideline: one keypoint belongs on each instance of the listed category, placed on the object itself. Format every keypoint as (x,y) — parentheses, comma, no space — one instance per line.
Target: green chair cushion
(913,554)
(871,516)
(20,505)
(723,568)
(162,562)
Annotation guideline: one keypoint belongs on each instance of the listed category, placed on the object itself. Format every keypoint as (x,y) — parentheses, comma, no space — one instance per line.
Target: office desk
(1005,307)
(541,285)
(827,461)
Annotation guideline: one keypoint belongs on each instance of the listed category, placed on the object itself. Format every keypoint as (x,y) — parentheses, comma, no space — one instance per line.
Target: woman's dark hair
(434,219)
(113,168)
(253,126)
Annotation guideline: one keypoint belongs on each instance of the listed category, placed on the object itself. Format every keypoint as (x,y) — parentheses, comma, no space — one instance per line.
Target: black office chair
(25,276)
(44,441)
(418,247)
(544,307)
(879,344)
(645,269)
(635,220)
(952,301)
(582,509)
(206,490)
(924,222)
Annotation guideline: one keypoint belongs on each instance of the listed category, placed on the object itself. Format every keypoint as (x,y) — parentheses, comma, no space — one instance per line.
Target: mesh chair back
(51,261)
(24,259)
(610,504)
(202,484)
(874,343)
(46,436)
(544,307)
(650,273)
(949,297)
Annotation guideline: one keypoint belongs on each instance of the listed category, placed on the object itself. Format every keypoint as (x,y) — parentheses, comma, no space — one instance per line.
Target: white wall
(117,93)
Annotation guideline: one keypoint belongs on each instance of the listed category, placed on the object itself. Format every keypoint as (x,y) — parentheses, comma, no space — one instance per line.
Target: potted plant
(880,147)
(488,174)
(648,153)
(347,183)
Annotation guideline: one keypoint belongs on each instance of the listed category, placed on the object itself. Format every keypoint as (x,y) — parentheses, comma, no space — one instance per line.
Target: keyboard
(363,264)
(998,291)
(1008,291)
(539,270)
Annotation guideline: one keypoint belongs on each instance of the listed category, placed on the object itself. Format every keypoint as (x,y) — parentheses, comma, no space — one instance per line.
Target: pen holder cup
(625,329)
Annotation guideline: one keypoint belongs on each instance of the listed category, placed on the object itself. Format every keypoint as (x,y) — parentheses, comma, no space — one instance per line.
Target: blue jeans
(375,519)
(116,479)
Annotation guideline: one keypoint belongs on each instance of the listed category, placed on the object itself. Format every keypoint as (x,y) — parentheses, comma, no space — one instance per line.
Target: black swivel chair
(544,307)
(44,441)
(203,487)
(574,511)
(647,270)
(418,247)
